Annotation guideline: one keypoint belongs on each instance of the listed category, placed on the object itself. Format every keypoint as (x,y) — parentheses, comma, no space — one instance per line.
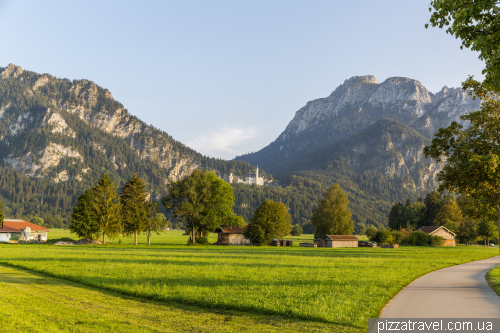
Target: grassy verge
(339,286)
(55,305)
(493,278)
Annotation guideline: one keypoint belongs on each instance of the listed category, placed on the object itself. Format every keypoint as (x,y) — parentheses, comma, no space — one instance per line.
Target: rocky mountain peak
(11,71)
(356,80)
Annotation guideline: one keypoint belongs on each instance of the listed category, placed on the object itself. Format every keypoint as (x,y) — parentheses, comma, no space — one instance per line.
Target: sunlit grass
(341,286)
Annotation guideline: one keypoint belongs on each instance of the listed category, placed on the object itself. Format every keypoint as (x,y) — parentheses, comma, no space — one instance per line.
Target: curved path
(459,291)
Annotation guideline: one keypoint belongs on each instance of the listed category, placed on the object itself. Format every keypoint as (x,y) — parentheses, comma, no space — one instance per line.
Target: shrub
(398,237)
(296,230)
(383,237)
(419,238)
(371,231)
(436,241)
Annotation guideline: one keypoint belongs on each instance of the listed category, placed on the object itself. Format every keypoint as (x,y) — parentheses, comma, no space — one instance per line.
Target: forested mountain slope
(57,138)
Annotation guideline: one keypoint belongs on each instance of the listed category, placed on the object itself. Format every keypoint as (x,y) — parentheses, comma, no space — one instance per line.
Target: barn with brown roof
(23,229)
(338,241)
(232,236)
(447,235)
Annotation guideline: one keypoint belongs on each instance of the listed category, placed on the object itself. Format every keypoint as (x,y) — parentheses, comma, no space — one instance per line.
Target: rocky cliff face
(354,106)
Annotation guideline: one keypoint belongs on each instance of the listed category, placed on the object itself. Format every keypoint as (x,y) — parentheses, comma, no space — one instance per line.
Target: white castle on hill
(251,178)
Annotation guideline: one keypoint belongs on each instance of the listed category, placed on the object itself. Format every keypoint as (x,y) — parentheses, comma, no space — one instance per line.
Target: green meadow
(341,287)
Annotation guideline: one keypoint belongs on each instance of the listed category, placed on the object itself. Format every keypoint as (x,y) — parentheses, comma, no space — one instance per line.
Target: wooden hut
(232,236)
(448,236)
(338,241)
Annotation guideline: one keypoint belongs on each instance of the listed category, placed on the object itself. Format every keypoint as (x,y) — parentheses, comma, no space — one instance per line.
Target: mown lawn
(338,286)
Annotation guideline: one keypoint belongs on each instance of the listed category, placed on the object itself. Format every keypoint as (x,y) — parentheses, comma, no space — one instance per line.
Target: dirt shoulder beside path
(455,292)
(32,302)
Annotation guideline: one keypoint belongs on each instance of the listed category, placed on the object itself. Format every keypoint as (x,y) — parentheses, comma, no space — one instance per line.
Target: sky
(226,77)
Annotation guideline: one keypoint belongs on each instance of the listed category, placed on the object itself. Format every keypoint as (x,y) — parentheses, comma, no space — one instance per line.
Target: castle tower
(231,177)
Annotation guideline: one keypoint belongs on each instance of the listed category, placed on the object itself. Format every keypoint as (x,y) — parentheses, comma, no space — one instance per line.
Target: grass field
(337,286)
(56,305)
(493,278)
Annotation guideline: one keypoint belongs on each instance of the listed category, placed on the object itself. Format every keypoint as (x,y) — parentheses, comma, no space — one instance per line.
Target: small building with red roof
(436,230)
(232,236)
(26,231)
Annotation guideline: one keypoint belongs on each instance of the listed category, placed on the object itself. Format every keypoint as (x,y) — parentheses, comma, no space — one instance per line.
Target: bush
(419,238)
(436,241)
(383,237)
(296,230)
(371,231)
(398,237)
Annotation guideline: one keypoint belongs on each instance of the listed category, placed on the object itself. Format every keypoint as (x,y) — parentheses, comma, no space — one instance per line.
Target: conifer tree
(106,207)
(332,216)
(83,220)
(433,204)
(135,203)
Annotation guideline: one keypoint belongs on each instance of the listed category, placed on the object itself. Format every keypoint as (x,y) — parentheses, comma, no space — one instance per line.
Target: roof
(342,237)
(19,225)
(233,230)
(433,228)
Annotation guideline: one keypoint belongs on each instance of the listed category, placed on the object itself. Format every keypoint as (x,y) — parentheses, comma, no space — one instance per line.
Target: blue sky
(226,77)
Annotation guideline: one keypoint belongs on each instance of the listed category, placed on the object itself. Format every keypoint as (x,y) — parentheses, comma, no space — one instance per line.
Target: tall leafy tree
(467,232)
(106,207)
(487,229)
(472,156)
(203,202)
(156,221)
(477,24)
(449,213)
(332,217)
(135,204)
(269,221)
(83,220)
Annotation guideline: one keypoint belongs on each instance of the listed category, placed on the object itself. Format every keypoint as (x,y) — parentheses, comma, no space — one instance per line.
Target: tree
(203,201)
(383,237)
(433,204)
(487,229)
(296,230)
(467,232)
(106,207)
(270,220)
(156,221)
(37,220)
(83,220)
(371,231)
(135,203)
(476,24)
(472,156)
(448,213)
(360,229)
(332,217)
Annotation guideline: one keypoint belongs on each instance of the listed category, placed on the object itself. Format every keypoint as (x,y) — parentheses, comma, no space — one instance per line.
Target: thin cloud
(223,143)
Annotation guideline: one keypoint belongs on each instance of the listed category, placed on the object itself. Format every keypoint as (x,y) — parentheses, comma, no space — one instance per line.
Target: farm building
(23,229)
(232,236)
(337,241)
(448,236)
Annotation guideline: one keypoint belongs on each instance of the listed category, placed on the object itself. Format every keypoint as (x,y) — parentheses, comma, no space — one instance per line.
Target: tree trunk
(135,237)
(103,239)
(149,237)
(192,234)
(498,224)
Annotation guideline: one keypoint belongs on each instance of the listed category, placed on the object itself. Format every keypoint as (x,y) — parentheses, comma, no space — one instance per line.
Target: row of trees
(101,211)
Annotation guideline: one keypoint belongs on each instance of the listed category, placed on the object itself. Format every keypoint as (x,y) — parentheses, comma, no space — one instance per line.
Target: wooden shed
(232,236)
(448,236)
(339,241)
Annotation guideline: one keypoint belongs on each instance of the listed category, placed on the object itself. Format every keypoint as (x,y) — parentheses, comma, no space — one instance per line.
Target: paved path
(455,292)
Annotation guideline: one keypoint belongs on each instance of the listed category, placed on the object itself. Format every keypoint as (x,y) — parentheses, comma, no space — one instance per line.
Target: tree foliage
(487,229)
(83,220)
(332,216)
(106,207)
(472,156)
(270,220)
(156,221)
(134,200)
(203,201)
(448,213)
(296,230)
(476,23)
(468,231)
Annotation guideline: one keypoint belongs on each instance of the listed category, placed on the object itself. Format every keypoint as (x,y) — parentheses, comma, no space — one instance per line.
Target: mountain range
(57,138)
